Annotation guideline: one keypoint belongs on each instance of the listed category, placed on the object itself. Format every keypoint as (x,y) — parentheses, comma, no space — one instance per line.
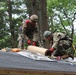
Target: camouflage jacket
(57,37)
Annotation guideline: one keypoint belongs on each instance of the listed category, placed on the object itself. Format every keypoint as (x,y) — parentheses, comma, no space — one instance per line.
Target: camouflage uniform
(63,45)
(29,30)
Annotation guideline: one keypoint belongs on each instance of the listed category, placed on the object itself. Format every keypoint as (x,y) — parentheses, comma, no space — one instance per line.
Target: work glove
(29,42)
(34,43)
(51,50)
(58,57)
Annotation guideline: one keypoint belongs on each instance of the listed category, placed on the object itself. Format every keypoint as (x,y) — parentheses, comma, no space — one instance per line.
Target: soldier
(28,32)
(61,45)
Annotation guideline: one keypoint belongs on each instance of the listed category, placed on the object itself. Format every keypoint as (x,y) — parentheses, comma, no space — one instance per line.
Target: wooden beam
(6,71)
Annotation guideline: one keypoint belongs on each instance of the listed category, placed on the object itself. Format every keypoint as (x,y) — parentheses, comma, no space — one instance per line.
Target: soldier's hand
(51,50)
(29,41)
(58,57)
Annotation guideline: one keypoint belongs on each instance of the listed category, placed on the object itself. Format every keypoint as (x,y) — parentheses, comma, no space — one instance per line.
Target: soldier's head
(47,35)
(34,18)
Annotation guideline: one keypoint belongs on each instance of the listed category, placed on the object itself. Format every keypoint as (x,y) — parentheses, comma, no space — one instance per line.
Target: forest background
(54,15)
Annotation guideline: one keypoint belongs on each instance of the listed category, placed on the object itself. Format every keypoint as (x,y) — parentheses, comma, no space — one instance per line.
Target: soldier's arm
(55,40)
(55,45)
(57,37)
(36,28)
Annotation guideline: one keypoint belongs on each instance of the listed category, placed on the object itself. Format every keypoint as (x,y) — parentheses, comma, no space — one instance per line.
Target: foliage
(61,16)
(18,14)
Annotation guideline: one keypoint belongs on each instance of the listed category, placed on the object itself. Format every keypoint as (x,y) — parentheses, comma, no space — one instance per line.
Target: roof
(14,60)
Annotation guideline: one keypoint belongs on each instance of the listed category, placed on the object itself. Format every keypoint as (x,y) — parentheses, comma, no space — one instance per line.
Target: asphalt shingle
(14,60)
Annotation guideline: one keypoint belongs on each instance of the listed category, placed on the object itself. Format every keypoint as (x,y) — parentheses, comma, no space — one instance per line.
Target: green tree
(12,13)
(56,15)
(61,15)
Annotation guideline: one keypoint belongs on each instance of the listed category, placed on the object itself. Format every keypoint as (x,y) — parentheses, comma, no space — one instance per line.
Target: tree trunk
(39,7)
(43,20)
(12,41)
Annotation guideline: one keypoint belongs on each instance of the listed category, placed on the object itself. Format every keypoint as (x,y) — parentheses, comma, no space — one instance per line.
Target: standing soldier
(61,45)
(28,32)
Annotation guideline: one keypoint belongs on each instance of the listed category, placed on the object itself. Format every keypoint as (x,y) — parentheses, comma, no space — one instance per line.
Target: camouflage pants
(20,42)
(64,47)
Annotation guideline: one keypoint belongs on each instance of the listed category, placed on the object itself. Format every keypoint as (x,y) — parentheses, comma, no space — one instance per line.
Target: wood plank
(5,71)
